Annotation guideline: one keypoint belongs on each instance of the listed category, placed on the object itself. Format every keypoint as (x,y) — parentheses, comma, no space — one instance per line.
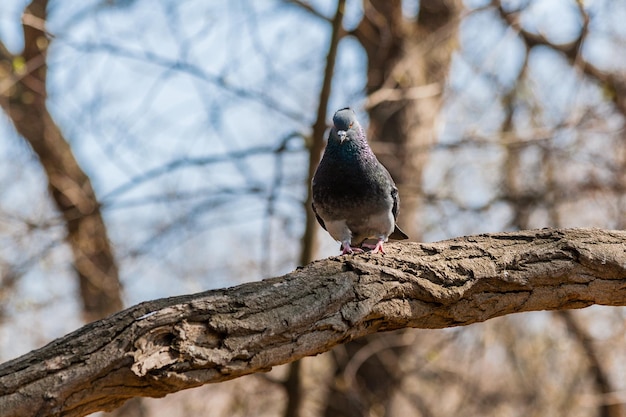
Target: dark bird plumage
(354,196)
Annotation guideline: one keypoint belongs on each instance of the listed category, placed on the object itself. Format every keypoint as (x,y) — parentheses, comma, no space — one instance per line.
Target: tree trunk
(25,104)
(408,63)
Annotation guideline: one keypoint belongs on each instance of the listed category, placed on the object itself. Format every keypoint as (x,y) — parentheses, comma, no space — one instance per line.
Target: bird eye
(351,123)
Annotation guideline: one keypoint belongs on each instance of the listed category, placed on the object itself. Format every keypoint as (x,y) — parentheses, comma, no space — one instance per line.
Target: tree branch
(317,142)
(163,346)
(614,83)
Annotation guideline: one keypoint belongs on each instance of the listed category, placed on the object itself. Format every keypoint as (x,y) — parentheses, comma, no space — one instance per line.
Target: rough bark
(23,98)
(167,345)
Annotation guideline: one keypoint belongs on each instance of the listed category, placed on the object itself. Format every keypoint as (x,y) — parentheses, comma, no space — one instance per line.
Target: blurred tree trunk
(23,98)
(408,61)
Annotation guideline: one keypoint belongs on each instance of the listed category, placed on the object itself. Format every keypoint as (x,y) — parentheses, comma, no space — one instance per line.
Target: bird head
(345,122)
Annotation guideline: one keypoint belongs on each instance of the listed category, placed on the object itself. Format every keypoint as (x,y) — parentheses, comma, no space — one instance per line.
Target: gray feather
(354,196)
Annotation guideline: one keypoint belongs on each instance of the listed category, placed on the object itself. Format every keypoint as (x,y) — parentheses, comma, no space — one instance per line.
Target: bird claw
(377,248)
(347,249)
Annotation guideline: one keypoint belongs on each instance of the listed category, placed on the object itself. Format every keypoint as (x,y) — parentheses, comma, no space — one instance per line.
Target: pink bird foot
(347,249)
(377,248)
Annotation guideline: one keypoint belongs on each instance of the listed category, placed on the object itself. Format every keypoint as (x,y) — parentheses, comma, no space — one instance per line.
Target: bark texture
(163,346)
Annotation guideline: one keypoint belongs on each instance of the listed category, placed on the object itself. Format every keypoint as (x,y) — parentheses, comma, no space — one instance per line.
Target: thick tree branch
(163,346)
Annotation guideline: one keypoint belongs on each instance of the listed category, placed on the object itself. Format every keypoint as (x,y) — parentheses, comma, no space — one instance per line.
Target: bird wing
(317,216)
(396,202)
(397,233)
(395,209)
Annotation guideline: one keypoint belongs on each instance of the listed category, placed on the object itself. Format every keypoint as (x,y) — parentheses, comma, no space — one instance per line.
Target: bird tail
(398,234)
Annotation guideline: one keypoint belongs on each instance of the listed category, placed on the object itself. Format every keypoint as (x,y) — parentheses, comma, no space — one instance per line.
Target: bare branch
(596,366)
(167,345)
(308,8)
(573,52)
(317,136)
(293,383)
(186,162)
(397,94)
(195,71)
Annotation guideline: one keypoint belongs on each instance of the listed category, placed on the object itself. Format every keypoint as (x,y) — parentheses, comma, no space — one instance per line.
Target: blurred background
(156,148)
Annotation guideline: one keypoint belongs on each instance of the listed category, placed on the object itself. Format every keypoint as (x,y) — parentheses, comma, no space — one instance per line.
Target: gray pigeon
(354,196)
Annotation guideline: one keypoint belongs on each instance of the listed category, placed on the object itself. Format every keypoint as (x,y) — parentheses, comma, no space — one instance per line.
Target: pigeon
(354,196)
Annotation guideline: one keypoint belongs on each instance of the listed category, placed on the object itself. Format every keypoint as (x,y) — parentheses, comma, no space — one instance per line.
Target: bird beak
(342,135)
